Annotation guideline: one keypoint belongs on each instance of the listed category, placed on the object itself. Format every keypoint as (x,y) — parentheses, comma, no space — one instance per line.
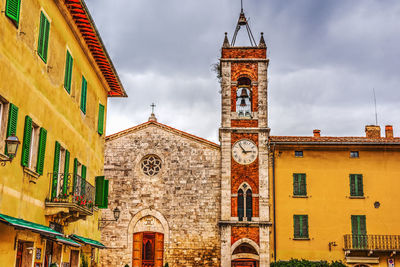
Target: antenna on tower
(376,112)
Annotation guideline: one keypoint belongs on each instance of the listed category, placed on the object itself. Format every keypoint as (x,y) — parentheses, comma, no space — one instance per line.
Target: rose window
(151,165)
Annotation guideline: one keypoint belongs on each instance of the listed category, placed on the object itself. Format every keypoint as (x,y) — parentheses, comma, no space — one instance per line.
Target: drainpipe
(273,199)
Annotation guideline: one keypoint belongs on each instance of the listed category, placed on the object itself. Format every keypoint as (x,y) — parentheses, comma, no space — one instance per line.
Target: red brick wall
(244,123)
(234,207)
(244,69)
(239,232)
(244,173)
(244,52)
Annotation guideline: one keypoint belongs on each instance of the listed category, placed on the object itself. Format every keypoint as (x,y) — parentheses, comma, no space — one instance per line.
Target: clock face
(244,151)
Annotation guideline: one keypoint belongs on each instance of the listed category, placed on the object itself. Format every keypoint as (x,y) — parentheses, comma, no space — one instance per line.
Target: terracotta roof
(162,126)
(334,139)
(87,28)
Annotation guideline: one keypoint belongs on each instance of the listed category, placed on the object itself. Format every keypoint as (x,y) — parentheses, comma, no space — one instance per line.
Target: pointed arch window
(244,97)
(245,203)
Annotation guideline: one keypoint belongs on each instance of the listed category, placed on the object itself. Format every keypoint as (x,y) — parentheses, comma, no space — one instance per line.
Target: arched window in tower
(243,97)
(240,205)
(249,204)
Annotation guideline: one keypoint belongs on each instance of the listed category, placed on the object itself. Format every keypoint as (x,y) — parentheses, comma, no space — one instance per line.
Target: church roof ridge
(163,126)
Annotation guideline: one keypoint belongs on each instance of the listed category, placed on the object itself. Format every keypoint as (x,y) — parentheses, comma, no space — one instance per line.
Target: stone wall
(182,201)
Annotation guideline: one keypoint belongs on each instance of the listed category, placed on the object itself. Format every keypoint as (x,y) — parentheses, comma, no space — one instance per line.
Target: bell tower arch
(244,153)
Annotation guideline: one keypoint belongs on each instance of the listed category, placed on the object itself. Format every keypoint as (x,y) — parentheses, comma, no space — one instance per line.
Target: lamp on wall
(12,143)
(104,222)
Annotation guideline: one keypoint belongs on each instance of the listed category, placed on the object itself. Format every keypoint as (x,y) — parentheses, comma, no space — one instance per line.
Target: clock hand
(244,151)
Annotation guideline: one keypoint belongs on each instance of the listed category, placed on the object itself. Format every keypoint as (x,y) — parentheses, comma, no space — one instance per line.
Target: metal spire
(243,22)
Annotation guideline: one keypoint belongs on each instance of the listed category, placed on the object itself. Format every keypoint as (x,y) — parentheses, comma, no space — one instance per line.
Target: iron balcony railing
(372,242)
(71,189)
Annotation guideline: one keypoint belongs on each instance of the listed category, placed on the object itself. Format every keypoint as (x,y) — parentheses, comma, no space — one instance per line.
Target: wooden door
(20,249)
(137,250)
(244,263)
(27,254)
(148,249)
(159,250)
(74,258)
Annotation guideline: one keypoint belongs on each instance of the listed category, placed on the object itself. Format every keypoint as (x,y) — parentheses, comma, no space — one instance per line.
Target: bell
(244,93)
(243,103)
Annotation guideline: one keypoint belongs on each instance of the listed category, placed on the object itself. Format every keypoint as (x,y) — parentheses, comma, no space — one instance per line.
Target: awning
(88,241)
(67,241)
(22,224)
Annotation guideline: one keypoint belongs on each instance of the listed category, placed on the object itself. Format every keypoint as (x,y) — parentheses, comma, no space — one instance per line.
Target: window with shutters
(299,185)
(3,124)
(300,223)
(356,185)
(83,95)
(13,8)
(359,231)
(101,198)
(298,153)
(68,72)
(33,146)
(43,40)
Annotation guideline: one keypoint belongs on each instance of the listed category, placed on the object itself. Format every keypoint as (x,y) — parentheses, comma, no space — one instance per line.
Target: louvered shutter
(75,174)
(105,195)
(240,205)
(83,95)
(101,119)
(83,180)
(66,173)
(43,37)
(26,145)
(13,10)
(363,226)
(295,184)
(159,250)
(304,226)
(137,250)
(56,166)
(303,185)
(99,190)
(352,185)
(68,72)
(360,190)
(12,122)
(249,205)
(296,226)
(41,151)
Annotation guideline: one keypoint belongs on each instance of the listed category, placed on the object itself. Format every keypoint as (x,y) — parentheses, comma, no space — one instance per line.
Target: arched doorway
(245,255)
(148,249)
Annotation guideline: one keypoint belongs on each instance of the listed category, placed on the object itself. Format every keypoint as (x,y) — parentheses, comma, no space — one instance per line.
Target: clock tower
(244,221)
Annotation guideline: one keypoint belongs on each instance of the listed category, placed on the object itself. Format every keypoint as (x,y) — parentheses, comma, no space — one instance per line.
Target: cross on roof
(152,107)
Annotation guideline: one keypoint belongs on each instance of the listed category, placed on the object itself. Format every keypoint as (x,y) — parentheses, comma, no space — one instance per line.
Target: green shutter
(68,72)
(83,95)
(352,185)
(41,151)
(296,226)
(43,37)
(26,145)
(300,223)
(66,173)
(83,180)
(295,184)
(99,191)
(299,184)
(101,120)
(13,10)
(359,231)
(56,166)
(12,122)
(356,185)
(360,190)
(304,226)
(75,174)
(105,195)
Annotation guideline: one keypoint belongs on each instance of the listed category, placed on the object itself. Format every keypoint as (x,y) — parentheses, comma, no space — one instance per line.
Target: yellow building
(336,198)
(55,78)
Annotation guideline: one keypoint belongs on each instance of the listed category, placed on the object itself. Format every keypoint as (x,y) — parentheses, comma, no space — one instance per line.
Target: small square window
(354,154)
(298,153)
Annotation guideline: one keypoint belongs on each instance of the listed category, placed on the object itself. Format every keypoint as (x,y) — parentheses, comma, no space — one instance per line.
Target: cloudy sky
(326,57)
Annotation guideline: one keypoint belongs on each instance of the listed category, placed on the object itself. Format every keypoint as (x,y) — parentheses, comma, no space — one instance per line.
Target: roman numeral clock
(244,222)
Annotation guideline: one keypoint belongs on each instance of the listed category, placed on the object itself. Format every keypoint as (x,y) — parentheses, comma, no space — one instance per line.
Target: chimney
(317,133)
(373,131)
(389,131)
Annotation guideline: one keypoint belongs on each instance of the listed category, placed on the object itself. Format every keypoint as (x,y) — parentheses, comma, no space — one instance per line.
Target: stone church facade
(186,201)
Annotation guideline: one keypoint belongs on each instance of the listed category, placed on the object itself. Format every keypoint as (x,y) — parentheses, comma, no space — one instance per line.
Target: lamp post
(103,222)
(12,143)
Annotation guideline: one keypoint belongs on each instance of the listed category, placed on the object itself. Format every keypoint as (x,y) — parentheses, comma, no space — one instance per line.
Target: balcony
(71,198)
(372,243)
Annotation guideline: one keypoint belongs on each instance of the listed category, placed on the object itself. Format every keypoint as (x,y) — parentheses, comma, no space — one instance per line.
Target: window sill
(33,176)
(357,197)
(299,196)
(301,238)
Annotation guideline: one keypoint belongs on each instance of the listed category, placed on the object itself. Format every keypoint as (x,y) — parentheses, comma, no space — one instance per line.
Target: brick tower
(244,223)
